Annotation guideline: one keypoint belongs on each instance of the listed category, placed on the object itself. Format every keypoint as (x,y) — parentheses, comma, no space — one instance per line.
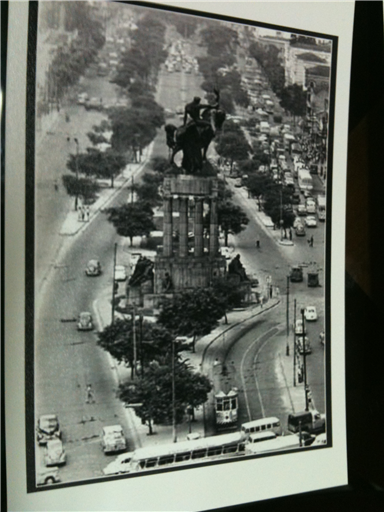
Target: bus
(187,452)
(321,201)
(262,425)
(304,180)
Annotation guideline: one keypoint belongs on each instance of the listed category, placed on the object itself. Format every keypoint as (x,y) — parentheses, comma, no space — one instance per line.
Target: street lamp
(174,432)
(304,361)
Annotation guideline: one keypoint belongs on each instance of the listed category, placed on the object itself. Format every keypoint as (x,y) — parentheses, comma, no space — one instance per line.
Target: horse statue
(195,137)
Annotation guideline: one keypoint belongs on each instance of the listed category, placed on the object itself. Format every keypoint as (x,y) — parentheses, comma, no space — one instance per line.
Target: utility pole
(173,394)
(113,285)
(132,191)
(134,339)
(287,347)
(294,343)
(304,360)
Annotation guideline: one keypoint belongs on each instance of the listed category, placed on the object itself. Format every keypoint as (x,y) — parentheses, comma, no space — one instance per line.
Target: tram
(226,409)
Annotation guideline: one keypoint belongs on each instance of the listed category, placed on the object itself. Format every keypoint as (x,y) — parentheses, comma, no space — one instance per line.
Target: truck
(307,421)
(304,180)
(296,274)
(321,202)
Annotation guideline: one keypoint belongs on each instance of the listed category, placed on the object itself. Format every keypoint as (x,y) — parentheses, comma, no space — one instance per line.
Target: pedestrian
(290,233)
(86,211)
(257,244)
(90,395)
(82,213)
(311,241)
(79,212)
(270,291)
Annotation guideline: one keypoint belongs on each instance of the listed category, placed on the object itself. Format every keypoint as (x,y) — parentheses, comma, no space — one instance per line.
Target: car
(120,273)
(296,274)
(310,206)
(120,465)
(113,439)
(310,313)
(184,343)
(48,428)
(93,268)
(47,476)
(299,230)
(308,194)
(301,210)
(85,321)
(54,454)
(94,104)
(297,222)
(310,221)
(307,439)
(300,346)
(298,327)
(82,98)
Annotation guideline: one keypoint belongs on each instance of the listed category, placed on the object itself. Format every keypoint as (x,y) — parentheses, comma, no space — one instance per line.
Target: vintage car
(47,476)
(113,439)
(54,454)
(85,322)
(93,268)
(48,428)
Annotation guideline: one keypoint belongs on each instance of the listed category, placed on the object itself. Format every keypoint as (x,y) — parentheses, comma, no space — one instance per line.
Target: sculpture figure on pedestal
(195,136)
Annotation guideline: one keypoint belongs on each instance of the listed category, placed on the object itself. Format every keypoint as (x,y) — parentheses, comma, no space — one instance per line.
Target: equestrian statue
(195,136)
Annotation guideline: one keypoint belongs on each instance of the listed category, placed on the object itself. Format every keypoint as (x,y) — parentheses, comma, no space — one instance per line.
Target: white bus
(262,425)
(188,452)
(304,180)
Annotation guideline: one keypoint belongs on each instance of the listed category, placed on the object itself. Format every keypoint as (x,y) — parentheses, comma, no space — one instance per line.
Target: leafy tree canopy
(231,218)
(293,99)
(132,220)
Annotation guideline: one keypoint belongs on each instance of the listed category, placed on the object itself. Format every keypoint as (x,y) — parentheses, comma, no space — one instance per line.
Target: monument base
(187,273)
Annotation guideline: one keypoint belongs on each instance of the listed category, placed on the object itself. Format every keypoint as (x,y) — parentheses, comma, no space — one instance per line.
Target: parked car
(113,439)
(296,274)
(301,210)
(300,346)
(310,313)
(298,327)
(54,454)
(94,104)
(310,221)
(307,439)
(93,268)
(82,98)
(47,476)
(120,273)
(85,321)
(47,428)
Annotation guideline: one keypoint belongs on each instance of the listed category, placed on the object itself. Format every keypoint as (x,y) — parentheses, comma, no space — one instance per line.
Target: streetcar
(226,409)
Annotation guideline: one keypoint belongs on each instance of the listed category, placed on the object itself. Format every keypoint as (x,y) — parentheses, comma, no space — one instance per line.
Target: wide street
(66,360)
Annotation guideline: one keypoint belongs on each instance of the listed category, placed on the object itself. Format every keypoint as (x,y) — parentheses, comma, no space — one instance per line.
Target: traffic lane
(61,387)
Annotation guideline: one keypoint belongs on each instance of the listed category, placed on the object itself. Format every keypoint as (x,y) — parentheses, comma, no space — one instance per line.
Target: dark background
(364,294)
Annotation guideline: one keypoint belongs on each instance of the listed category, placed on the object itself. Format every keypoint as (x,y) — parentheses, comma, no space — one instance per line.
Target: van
(296,275)
(265,424)
(309,421)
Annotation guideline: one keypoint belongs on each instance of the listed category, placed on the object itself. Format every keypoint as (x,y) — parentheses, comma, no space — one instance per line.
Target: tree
(293,99)
(154,392)
(233,146)
(100,164)
(231,219)
(192,313)
(229,294)
(76,187)
(152,341)
(259,184)
(132,220)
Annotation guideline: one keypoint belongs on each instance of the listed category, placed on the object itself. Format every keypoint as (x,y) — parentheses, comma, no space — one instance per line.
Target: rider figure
(193,109)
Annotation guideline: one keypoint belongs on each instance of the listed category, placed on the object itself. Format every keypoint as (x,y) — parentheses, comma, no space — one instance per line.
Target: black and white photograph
(179,242)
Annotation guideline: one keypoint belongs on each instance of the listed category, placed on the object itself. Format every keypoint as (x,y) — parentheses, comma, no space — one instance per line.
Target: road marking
(269,334)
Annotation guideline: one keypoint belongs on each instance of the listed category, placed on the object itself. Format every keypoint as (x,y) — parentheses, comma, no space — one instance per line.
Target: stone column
(199,241)
(183,227)
(167,227)
(213,229)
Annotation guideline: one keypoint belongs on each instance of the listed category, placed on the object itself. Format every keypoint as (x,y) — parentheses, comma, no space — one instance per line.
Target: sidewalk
(72,225)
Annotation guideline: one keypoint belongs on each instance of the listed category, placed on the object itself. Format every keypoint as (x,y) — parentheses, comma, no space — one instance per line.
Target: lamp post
(304,361)
(113,285)
(294,343)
